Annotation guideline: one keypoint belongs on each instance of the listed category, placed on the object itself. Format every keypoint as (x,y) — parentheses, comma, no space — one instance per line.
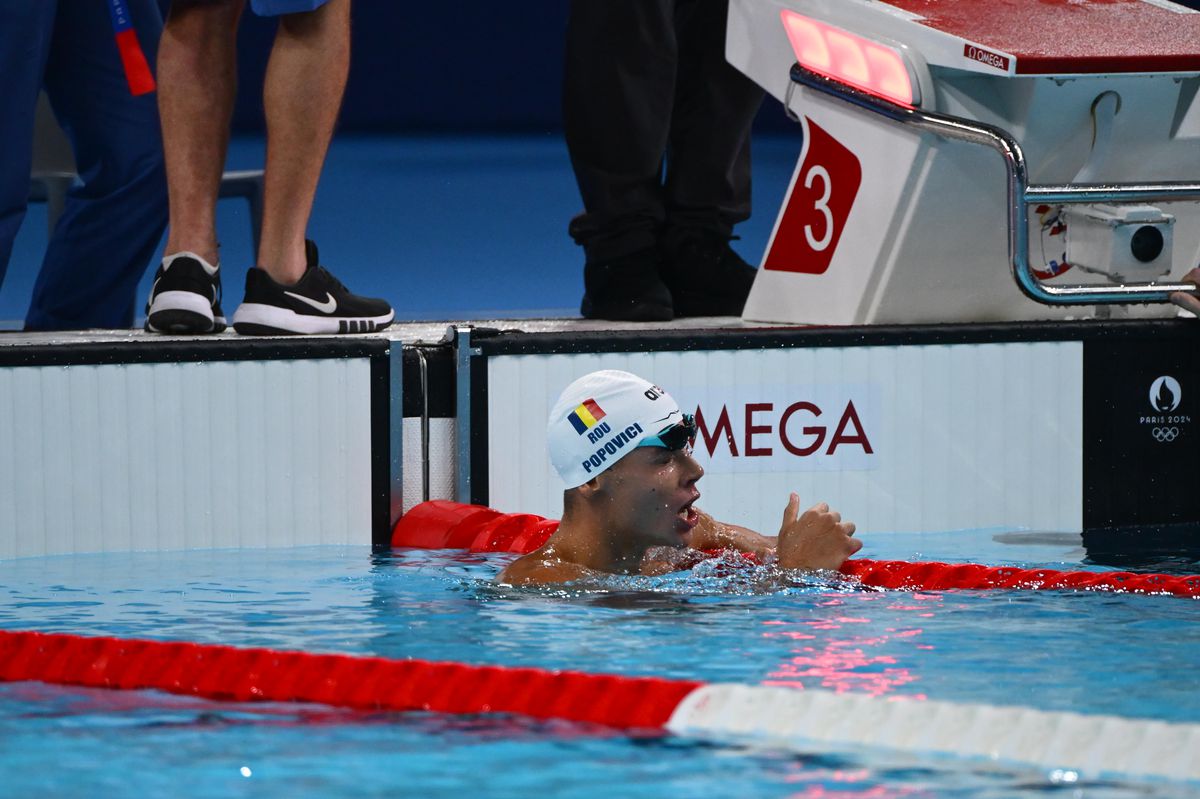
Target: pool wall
(119,445)
(120,441)
(1049,427)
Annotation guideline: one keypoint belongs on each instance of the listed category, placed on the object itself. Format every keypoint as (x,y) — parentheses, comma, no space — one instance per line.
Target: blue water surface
(1127,655)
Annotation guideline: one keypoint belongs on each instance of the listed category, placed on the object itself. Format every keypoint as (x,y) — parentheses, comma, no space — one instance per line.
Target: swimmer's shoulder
(541,568)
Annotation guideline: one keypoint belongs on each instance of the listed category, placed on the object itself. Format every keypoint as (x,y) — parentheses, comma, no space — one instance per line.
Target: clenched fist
(815,539)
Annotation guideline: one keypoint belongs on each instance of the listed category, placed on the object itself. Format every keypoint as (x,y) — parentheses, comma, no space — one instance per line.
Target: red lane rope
(934,576)
(234,674)
(440,524)
(226,673)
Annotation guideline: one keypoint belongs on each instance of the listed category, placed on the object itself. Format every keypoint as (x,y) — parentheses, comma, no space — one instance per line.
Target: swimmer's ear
(592,486)
(580,494)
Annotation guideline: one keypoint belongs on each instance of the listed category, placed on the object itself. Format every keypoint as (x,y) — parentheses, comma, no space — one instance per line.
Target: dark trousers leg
(708,161)
(25,32)
(618,90)
(112,223)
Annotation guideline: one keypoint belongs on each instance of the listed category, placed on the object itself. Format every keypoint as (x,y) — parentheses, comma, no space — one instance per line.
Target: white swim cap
(600,418)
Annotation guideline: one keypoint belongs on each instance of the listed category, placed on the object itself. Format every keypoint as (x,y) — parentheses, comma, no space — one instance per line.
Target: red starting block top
(1070,37)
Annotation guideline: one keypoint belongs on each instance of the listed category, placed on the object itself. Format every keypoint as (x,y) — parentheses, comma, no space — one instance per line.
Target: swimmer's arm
(711,534)
(815,539)
(536,569)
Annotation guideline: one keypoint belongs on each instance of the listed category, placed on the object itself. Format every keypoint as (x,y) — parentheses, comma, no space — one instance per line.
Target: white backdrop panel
(898,438)
(184,455)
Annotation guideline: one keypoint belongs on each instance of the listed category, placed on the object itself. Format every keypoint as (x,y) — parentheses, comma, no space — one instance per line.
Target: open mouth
(688,514)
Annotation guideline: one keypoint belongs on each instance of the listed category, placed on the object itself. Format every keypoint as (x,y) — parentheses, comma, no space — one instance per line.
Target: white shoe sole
(253,318)
(187,311)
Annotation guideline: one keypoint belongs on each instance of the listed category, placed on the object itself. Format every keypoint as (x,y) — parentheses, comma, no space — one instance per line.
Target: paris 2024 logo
(1164,423)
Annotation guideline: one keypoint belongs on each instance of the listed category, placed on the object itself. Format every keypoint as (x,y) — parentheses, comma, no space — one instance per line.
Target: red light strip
(864,64)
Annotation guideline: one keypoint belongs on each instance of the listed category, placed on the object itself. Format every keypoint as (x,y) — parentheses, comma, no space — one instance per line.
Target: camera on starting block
(1124,242)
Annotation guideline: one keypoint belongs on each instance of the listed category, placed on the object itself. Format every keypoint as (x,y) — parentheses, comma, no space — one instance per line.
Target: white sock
(170,259)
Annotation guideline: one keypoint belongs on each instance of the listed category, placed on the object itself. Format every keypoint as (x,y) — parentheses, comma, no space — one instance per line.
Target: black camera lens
(1147,243)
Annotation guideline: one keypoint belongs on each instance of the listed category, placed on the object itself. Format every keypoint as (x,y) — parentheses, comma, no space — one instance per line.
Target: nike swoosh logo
(329,306)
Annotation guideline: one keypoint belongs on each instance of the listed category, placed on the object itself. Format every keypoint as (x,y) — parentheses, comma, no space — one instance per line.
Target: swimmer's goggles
(675,437)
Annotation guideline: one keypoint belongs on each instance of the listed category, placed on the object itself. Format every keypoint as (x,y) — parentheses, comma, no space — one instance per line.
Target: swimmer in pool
(623,447)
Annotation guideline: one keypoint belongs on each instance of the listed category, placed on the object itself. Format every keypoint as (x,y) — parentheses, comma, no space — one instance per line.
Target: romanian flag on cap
(585,416)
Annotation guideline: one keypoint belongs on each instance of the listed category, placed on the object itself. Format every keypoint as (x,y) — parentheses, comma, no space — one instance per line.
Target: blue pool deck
(395,216)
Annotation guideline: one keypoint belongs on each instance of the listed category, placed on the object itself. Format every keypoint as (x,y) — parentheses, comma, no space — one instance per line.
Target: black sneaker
(185,297)
(317,304)
(626,289)
(706,277)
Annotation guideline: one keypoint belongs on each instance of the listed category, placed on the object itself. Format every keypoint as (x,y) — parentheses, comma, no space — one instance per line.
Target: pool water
(1087,652)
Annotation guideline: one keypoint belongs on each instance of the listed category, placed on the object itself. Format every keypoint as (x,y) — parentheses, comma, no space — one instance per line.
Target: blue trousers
(115,216)
(276,8)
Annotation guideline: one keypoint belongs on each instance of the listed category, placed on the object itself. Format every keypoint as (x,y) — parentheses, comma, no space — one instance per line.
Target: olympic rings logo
(1164,434)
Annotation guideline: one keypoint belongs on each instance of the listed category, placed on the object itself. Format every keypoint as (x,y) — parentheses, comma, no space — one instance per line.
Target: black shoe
(185,297)
(318,303)
(704,274)
(626,289)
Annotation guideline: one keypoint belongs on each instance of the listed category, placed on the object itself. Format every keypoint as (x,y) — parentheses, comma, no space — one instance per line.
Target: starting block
(978,160)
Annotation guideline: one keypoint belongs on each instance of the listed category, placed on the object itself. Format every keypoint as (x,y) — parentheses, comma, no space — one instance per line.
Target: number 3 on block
(817,206)
(814,173)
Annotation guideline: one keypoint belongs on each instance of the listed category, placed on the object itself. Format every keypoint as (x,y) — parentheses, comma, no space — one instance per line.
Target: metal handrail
(1020,193)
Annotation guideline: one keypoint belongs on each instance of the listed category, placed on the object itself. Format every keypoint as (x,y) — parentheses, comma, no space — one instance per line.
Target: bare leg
(303,93)
(197,75)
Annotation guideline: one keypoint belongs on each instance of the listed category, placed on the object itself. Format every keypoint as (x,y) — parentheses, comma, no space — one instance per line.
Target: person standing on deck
(657,124)
(115,214)
(288,291)
(623,447)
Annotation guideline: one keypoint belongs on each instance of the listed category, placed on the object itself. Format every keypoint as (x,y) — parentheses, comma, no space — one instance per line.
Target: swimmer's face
(652,490)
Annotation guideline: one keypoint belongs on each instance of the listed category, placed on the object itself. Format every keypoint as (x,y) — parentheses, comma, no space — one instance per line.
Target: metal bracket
(396,433)
(1020,194)
(787,101)
(423,364)
(462,418)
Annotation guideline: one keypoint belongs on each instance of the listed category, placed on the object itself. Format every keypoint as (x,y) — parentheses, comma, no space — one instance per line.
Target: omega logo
(976,53)
(761,431)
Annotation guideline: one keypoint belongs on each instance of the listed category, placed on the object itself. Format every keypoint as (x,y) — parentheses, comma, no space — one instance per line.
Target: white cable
(1104,112)
(1092,745)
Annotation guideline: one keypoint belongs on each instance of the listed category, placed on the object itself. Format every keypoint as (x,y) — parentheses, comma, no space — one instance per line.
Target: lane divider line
(801,720)
(251,674)
(1089,744)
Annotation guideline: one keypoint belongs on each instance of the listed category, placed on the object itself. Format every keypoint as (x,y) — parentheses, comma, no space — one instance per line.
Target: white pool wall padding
(953,428)
(157,456)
